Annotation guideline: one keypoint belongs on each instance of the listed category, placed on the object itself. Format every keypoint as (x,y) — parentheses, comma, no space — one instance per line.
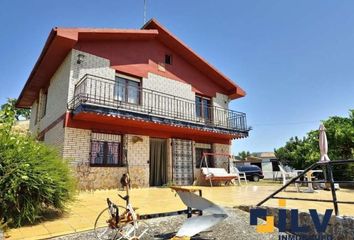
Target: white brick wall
(32,125)
(56,98)
(62,84)
(55,137)
(91,64)
(172,87)
(106,137)
(221,113)
(77,145)
(138,152)
(221,101)
(138,155)
(169,86)
(77,149)
(57,93)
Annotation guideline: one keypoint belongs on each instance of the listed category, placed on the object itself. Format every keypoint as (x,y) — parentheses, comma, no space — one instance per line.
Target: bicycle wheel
(135,230)
(105,227)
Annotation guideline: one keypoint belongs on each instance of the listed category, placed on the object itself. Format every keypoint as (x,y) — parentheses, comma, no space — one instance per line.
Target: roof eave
(50,38)
(59,42)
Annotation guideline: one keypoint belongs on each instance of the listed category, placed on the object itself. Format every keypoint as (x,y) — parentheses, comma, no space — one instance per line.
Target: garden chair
(240,175)
(288,176)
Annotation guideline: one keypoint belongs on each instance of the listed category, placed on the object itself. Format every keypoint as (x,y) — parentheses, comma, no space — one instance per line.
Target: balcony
(101,95)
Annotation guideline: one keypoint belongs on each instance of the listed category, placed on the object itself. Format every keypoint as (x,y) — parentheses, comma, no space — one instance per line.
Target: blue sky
(295,59)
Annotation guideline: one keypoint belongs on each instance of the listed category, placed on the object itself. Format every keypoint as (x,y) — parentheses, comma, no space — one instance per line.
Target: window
(203,107)
(43,105)
(127,90)
(36,113)
(168,59)
(104,153)
(199,154)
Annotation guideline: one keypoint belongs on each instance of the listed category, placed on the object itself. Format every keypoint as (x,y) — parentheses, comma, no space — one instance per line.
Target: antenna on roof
(144,11)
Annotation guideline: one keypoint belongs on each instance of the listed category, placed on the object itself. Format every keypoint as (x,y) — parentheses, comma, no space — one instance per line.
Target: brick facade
(57,99)
(93,65)
(32,123)
(62,86)
(56,136)
(169,86)
(77,146)
(138,151)
(74,144)
(221,101)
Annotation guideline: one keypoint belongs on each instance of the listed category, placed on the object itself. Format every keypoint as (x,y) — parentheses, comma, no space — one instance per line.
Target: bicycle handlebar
(125,198)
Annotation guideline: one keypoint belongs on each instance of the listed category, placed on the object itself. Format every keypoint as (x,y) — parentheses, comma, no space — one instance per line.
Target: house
(112,99)
(267,161)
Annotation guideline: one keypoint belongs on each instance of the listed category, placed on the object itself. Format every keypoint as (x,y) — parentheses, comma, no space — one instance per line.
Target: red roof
(62,40)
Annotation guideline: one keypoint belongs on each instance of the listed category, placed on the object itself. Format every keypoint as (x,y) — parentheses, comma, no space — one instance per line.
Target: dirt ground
(236,226)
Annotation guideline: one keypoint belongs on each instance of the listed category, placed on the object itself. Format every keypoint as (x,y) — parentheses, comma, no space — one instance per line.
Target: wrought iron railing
(329,179)
(99,91)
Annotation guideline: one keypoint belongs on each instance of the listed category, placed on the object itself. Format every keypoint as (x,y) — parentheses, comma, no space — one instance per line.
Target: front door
(182,158)
(158,162)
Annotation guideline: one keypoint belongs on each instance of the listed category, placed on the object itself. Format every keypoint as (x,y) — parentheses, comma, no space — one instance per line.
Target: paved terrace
(82,213)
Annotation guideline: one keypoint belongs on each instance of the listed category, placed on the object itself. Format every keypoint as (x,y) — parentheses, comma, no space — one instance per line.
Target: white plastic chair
(240,175)
(287,176)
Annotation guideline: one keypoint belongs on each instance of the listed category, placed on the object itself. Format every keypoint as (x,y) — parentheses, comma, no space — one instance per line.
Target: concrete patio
(82,213)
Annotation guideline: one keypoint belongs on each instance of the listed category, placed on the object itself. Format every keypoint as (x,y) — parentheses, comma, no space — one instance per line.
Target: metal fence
(329,179)
(99,91)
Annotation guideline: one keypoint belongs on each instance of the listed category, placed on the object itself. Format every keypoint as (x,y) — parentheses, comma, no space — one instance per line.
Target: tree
(18,112)
(244,154)
(300,153)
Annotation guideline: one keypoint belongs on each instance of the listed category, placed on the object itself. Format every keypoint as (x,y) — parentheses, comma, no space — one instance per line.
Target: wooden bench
(217,175)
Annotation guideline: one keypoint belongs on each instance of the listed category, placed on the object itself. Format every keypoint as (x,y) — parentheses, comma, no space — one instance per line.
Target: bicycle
(121,223)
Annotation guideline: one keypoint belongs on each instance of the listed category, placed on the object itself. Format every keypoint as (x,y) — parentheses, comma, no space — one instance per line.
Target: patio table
(309,176)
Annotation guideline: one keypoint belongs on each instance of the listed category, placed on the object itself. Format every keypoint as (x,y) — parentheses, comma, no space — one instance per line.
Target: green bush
(301,153)
(33,178)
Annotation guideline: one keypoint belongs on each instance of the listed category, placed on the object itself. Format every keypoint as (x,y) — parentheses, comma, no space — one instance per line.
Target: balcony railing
(102,92)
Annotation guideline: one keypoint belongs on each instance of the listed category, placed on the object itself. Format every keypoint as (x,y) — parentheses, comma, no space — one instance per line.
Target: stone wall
(77,147)
(90,178)
(220,161)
